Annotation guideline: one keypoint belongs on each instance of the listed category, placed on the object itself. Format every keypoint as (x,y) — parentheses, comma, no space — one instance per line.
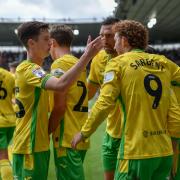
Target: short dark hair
(63,34)
(30,30)
(134,31)
(110,20)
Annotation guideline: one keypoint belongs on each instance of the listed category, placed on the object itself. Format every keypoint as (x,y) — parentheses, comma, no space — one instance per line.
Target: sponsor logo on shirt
(57,72)
(109,76)
(153,133)
(39,72)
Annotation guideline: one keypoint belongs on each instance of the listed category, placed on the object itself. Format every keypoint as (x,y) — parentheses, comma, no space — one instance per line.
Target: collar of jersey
(137,50)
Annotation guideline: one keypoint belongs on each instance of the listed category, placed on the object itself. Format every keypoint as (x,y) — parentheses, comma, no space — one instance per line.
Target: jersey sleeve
(174,117)
(36,76)
(106,101)
(93,76)
(58,68)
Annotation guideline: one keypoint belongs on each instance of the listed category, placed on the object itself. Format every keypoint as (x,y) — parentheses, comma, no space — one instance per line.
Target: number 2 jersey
(31,133)
(7,85)
(150,112)
(76,105)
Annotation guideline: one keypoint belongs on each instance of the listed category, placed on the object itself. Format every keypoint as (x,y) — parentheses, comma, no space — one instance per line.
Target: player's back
(144,81)
(76,104)
(7,85)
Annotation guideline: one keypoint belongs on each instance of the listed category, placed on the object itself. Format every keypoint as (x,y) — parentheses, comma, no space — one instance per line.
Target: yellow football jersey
(76,105)
(96,76)
(7,85)
(150,112)
(31,133)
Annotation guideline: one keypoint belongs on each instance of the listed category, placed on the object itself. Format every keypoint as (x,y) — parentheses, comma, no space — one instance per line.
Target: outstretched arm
(67,79)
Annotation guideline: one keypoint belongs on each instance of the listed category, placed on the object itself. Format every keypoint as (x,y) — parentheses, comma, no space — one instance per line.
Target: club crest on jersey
(109,76)
(57,72)
(39,72)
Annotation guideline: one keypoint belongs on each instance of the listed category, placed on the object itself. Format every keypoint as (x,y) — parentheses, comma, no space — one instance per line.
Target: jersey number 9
(155,93)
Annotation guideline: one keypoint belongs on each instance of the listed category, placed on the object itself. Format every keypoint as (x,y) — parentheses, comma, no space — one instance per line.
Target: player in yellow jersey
(151,115)
(113,133)
(31,139)
(69,162)
(7,121)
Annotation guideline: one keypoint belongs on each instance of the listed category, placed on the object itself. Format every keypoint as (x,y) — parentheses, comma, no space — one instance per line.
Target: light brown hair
(134,31)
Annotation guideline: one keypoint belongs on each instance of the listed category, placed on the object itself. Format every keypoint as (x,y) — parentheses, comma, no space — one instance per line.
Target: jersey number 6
(2,90)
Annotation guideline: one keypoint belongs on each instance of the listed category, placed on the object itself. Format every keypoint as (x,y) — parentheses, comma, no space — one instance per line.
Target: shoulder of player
(101,57)
(6,73)
(26,65)
(66,60)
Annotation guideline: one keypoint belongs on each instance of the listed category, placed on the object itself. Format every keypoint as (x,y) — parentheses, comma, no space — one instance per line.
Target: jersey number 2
(78,106)
(156,93)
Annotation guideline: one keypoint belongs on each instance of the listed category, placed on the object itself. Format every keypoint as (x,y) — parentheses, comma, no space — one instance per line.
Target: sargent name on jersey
(147,62)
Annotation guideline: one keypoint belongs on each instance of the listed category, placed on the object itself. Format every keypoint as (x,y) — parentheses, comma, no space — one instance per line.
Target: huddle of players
(136,94)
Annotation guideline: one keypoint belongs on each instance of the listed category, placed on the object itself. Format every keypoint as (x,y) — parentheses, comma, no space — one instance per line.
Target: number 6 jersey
(31,133)
(151,115)
(7,114)
(76,105)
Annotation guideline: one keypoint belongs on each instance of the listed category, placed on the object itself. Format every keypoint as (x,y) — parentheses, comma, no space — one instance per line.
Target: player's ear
(54,42)
(124,41)
(30,42)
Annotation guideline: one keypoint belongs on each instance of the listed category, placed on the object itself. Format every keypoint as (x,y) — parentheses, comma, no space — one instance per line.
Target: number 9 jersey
(150,112)
(76,105)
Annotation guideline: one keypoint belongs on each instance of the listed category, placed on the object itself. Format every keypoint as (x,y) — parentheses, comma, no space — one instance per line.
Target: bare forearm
(54,120)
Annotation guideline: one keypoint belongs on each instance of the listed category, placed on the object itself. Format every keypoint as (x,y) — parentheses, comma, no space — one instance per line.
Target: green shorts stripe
(6,135)
(69,163)
(110,148)
(31,166)
(144,169)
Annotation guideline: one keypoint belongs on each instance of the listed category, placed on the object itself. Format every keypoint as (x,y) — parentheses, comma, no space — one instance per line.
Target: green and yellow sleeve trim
(44,80)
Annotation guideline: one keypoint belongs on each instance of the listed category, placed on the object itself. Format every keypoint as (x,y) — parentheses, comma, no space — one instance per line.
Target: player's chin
(46,54)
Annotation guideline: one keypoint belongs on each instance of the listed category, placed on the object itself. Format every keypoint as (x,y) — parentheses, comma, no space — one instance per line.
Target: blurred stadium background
(161,18)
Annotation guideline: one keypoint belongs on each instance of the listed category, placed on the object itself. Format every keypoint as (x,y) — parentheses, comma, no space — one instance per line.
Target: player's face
(118,44)
(107,37)
(42,44)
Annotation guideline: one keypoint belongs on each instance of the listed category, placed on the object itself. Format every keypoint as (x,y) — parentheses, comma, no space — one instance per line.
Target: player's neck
(34,58)
(62,51)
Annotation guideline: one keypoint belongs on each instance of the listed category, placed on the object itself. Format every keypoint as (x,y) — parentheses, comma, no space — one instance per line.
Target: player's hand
(93,47)
(89,40)
(76,140)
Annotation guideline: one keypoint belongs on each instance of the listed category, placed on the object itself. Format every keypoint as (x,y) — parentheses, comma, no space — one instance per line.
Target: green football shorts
(6,135)
(31,166)
(69,163)
(110,148)
(144,169)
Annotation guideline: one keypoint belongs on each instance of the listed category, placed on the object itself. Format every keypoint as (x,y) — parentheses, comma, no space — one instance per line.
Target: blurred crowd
(8,57)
